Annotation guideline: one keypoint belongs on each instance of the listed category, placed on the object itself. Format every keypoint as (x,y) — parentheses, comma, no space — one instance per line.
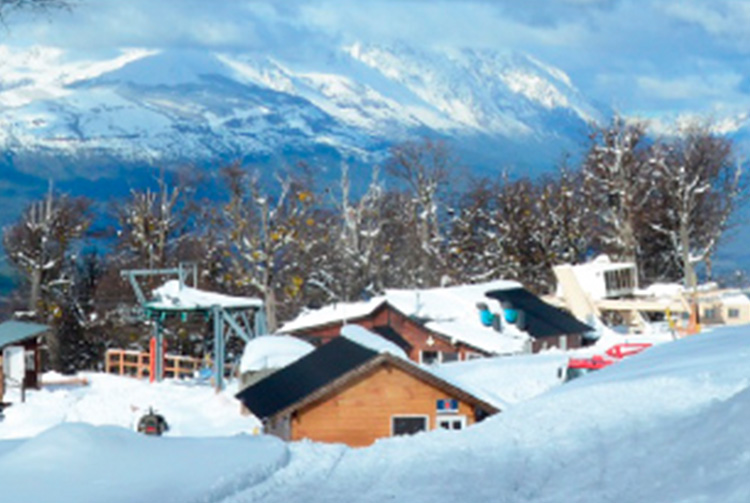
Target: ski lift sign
(447,406)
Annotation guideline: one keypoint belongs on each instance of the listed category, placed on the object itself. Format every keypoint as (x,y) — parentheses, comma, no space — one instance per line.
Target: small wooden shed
(346,393)
(26,337)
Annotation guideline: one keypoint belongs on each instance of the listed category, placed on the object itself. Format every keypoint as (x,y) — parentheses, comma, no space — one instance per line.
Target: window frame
(408,416)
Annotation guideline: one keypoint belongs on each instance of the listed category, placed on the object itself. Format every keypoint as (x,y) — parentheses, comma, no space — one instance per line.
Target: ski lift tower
(243,317)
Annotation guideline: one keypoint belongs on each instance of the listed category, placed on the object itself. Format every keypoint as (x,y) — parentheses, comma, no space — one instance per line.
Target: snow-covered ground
(190,408)
(666,425)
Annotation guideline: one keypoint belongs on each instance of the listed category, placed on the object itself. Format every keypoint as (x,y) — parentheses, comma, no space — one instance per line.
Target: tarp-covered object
(540,318)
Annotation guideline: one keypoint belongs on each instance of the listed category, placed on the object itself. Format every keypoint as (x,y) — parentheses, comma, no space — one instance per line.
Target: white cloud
(691,87)
(727,21)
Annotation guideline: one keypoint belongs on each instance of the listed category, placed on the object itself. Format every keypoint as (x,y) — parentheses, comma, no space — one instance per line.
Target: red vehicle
(581,366)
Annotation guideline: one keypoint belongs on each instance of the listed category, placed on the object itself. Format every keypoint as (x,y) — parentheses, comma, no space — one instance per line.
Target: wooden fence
(133,363)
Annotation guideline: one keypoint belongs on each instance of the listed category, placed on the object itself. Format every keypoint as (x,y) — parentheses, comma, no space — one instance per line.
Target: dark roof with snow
(389,333)
(541,319)
(12,332)
(294,382)
(329,368)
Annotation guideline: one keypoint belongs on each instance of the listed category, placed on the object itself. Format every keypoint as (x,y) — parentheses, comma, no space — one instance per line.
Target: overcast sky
(647,57)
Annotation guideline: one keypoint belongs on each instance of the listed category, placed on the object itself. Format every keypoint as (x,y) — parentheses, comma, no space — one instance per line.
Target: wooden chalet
(346,393)
(421,344)
(448,336)
(21,338)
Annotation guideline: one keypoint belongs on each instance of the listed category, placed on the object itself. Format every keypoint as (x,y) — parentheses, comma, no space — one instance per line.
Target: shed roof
(542,319)
(294,382)
(330,368)
(12,332)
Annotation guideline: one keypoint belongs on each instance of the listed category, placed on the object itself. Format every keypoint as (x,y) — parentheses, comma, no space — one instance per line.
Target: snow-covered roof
(174,296)
(332,313)
(735,299)
(604,263)
(365,338)
(662,290)
(510,341)
(273,351)
(449,311)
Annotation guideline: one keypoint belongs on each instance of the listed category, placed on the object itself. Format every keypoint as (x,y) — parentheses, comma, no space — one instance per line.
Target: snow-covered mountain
(62,112)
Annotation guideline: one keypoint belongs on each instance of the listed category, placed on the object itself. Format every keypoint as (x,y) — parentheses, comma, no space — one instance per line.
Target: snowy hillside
(176,105)
(668,425)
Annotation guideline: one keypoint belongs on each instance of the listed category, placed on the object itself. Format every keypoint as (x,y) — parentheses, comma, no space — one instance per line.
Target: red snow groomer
(581,366)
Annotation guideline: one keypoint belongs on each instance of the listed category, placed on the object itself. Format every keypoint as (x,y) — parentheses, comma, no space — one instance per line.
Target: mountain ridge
(170,105)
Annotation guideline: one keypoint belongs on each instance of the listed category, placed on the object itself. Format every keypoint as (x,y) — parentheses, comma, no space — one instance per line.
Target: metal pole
(159,351)
(218,347)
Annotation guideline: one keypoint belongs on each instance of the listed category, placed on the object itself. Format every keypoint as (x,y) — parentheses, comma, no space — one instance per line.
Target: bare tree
(475,239)
(266,235)
(700,188)
(618,176)
(39,243)
(357,265)
(424,167)
(151,223)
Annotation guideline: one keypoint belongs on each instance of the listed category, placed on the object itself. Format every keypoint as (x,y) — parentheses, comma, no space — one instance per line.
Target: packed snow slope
(666,425)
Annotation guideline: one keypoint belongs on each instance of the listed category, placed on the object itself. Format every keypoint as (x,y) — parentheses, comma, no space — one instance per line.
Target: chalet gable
(329,369)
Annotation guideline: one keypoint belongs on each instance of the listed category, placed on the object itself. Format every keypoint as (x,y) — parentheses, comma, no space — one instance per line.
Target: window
(710,314)
(449,357)
(430,357)
(408,425)
(619,281)
(452,422)
(734,313)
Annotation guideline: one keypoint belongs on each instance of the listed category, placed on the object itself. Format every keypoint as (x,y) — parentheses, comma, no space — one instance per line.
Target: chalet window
(452,422)
(449,357)
(734,313)
(430,357)
(408,425)
(710,314)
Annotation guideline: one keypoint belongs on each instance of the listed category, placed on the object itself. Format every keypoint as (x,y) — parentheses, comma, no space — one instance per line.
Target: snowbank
(504,381)
(664,426)
(80,463)
(190,408)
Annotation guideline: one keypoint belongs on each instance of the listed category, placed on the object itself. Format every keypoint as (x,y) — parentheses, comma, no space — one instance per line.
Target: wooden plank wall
(361,413)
